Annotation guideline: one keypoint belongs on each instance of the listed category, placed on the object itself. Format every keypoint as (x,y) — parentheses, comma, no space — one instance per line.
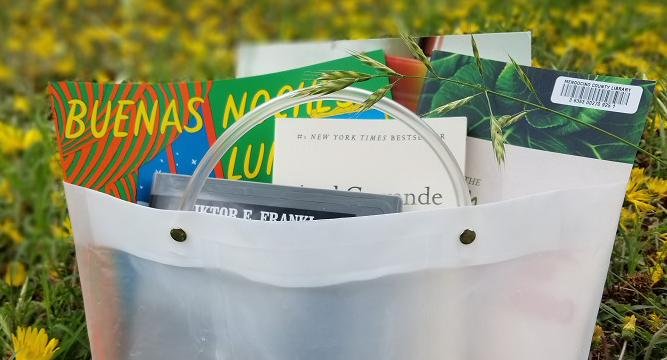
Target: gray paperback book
(268,202)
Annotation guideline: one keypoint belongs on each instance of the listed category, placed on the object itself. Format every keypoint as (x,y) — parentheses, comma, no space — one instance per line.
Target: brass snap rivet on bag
(178,234)
(467,236)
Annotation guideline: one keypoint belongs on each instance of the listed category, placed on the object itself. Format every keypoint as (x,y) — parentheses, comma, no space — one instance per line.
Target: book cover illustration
(113,137)
(595,100)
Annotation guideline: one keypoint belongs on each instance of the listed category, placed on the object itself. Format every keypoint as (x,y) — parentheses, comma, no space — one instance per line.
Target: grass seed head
(478,60)
(507,120)
(525,79)
(325,88)
(375,97)
(342,74)
(374,63)
(497,140)
(450,106)
(415,49)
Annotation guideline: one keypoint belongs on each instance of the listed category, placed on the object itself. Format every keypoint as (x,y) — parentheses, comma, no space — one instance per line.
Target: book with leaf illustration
(114,137)
(580,133)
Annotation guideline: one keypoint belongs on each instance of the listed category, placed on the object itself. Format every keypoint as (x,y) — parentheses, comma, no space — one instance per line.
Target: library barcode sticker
(596,95)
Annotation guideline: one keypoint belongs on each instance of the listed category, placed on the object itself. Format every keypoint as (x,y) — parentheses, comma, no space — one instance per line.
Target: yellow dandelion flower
(560,49)
(21,104)
(657,121)
(101,77)
(65,66)
(324,7)
(67,225)
(11,139)
(15,274)
(640,199)
(628,218)
(157,33)
(194,12)
(601,68)
(657,186)
(57,198)
(655,320)
(647,41)
(64,231)
(5,191)
(652,10)
(32,136)
(656,274)
(636,180)
(417,23)
(30,344)
(9,229)
(54,166)
(466,28)
(600,37)
(633,62)
(43,44)
(585,44)
(396,7)
(348,6)
(661,255)
(496,19)
(13,44)
(629,327)
(578,18)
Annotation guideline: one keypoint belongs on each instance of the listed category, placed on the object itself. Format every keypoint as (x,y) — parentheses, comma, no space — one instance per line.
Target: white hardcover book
(259,59)
(374,156)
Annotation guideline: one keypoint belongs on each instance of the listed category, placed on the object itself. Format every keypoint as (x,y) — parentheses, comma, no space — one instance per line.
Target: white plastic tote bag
(408,286)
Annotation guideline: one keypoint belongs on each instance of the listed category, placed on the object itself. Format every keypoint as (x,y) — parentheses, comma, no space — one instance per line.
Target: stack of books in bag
(506,148)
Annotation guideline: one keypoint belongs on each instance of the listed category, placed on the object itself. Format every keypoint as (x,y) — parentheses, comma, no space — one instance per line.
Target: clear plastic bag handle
(288,101)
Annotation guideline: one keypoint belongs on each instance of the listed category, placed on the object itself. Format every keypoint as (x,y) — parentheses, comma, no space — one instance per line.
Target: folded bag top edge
(559,220)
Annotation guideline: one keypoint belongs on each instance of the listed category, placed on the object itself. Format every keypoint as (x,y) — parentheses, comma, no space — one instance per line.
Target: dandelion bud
(597,336)
(629,328)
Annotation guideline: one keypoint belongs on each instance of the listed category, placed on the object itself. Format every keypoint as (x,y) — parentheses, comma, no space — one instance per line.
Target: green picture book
(114,137)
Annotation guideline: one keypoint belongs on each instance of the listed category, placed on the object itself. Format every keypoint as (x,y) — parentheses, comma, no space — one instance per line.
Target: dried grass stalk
(507,120)
(525,79)
(342,74)
(478,60)
(450,106)
(375,97)
(497,140)
(415,49)
(374,63)
(325,88)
